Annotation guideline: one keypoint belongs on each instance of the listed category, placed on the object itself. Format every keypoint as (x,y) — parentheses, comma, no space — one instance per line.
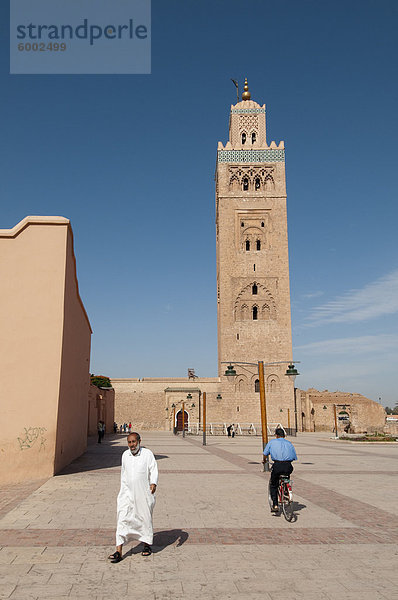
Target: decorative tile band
(248,111)
(271,155)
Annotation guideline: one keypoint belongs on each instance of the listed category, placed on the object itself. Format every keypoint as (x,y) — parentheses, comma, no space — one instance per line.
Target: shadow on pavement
(106,455)
(162,539)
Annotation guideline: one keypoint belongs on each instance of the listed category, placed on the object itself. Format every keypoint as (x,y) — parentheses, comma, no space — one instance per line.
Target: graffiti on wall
(32,436)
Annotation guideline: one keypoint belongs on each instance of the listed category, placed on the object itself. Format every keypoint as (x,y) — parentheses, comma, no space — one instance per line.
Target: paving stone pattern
(215,536)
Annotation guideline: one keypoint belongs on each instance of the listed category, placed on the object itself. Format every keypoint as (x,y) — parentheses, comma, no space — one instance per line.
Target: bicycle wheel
(287,503)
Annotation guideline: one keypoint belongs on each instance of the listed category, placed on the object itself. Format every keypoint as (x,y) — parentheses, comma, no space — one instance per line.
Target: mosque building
(253,296)
(253,309)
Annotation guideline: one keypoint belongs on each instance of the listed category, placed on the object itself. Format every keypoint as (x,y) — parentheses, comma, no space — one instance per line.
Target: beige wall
(42,324)
(71,438)
(144,401)
(147,402)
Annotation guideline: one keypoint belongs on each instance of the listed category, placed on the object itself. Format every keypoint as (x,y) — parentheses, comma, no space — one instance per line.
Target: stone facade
(355,413)
(147,402)
(253,295)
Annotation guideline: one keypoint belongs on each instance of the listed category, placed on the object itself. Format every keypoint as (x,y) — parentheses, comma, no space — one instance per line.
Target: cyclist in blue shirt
(282,453)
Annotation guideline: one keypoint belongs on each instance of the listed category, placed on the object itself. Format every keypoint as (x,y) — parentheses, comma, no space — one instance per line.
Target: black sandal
(146,551)
(116,557)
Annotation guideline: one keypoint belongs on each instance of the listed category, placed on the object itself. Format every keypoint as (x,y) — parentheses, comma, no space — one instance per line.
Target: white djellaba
(135,502)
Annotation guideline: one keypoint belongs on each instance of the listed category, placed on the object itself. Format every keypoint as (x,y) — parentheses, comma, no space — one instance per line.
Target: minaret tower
(253,295)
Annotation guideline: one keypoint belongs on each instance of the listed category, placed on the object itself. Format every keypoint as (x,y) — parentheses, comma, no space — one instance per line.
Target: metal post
(263,410)
(183,419)
(288,419)
(204,419)
(295,409)
(335,421)
(174,419)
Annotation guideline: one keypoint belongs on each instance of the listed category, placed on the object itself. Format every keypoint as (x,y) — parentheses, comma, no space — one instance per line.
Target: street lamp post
(295,409)
(335,421)
(263,408)
(173,406)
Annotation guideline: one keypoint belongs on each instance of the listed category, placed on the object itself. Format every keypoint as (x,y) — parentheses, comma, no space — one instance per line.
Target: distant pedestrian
(99,429)
(121,428)
(233,430)
(125,427)
(114,427)
(130,427)
(103,430)
(229,430)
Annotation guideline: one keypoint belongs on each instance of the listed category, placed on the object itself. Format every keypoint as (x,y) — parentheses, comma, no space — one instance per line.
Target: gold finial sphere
(246,94)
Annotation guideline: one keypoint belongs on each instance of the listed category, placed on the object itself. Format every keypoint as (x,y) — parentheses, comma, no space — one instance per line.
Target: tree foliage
(101,381)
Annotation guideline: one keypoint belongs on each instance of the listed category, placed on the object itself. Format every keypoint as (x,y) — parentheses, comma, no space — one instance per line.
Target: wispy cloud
(373,300)
(313,294)
(363,344)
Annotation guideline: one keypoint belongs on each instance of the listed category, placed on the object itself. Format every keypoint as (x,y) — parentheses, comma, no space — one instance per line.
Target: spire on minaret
(246,94)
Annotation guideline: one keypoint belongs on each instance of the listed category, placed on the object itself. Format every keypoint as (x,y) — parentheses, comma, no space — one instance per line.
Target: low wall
(148,402)
(315,412)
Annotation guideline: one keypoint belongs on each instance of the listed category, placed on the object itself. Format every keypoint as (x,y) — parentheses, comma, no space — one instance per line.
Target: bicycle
(285,497)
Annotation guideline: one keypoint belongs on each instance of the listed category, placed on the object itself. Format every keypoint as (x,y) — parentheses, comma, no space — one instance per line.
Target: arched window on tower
(254,137)
(243,138)
(257,385)
(255,313)
(247,245)
(245,184)
(257,183)
(258,245)
(254,289)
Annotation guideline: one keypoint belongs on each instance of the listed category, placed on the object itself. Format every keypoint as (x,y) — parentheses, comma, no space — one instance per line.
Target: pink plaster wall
(40,328)
(71,436)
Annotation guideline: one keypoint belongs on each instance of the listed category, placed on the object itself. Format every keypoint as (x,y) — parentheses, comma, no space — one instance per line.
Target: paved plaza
(215,536)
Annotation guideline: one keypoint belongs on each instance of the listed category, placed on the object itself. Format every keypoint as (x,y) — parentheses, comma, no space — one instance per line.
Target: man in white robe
(136,499)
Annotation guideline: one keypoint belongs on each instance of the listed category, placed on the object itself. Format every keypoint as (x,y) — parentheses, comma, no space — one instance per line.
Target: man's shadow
(161,539)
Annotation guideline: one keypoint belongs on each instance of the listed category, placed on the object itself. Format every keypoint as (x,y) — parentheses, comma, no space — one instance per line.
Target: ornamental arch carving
(258,306)
(241,383)
(272,383)
(251,179)
(256,238)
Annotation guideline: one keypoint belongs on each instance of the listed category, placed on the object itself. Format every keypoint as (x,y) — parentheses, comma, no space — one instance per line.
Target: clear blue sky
(130,160)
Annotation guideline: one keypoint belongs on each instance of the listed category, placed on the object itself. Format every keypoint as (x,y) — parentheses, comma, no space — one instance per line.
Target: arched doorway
(179,420)
(344,420)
